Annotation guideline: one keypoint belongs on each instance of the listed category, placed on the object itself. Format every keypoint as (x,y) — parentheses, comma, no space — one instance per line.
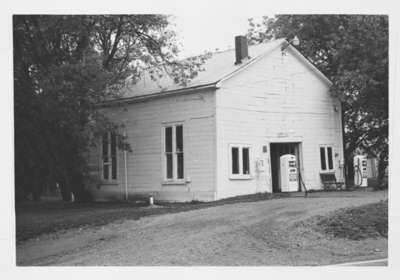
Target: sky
(203,24)
(213,25)
(198,33)
(209,24)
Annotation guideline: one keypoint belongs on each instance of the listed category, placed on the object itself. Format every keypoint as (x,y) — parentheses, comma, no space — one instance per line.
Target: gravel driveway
(252,233)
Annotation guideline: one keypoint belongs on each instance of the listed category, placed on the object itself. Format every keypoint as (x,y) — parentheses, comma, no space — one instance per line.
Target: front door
(276,151)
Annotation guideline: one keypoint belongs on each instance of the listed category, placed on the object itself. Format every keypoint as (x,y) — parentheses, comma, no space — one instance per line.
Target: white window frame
(241,175)
(174,179)
(327,170)
(109,156)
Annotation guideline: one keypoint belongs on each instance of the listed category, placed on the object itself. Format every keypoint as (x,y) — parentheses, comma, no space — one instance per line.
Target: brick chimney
(241,49)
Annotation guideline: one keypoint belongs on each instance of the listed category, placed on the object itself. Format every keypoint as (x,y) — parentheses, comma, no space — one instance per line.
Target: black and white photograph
(227,137)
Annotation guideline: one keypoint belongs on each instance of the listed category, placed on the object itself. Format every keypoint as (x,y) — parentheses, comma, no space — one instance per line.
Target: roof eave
(159,94)
(312,66)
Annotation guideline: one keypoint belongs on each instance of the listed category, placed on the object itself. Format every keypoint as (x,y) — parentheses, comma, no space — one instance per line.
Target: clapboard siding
(143,123)
(277,99)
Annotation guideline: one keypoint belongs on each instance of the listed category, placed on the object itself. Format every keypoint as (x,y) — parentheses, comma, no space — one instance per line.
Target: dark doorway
(276,151)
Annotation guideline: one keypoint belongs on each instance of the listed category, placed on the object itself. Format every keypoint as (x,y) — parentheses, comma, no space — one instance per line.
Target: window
(109,156)
(245,160)
(239,161)
(235,160)
(179,150)
(168,152)
(326,156)
(173,152)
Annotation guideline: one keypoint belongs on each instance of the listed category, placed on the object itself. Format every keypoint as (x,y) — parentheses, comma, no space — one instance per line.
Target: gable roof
(217,68)
(308,63)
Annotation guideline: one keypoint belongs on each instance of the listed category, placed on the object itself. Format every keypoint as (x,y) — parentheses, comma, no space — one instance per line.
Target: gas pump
(289,174)
(360,171)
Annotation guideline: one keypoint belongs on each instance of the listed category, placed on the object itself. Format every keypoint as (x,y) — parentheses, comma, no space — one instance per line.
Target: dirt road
(254,233)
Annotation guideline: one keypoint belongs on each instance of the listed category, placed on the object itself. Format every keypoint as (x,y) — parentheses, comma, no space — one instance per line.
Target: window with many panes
(239,156)
(173,152)
(326,156)
(109,156)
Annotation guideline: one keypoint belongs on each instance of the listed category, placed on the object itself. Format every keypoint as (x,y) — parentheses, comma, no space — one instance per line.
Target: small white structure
(289,177)
(222,135)
(360,171)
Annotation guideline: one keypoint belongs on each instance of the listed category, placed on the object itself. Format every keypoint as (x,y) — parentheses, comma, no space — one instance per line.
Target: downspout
(126,172)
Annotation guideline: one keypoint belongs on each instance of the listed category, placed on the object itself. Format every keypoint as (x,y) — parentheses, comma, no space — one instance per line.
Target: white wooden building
(206,141)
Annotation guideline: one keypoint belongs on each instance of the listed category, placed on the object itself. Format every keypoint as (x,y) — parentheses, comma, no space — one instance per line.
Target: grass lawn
(367,221)
(36,218)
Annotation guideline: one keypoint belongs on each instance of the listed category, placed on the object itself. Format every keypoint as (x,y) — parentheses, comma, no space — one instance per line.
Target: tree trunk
(65,189)
(350,170)
(36,193)
(382,164)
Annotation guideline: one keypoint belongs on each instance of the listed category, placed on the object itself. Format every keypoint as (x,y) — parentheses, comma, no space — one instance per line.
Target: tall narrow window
(239,161)
(109,156)
(235,160)
(173,152)
(179,150)
(326,157)
(245,159)
(330,160)
(106,159)
(323,159)
(168,152)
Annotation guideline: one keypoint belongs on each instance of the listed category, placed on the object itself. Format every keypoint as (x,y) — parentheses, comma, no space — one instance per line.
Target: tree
(63,67)
(352,50)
